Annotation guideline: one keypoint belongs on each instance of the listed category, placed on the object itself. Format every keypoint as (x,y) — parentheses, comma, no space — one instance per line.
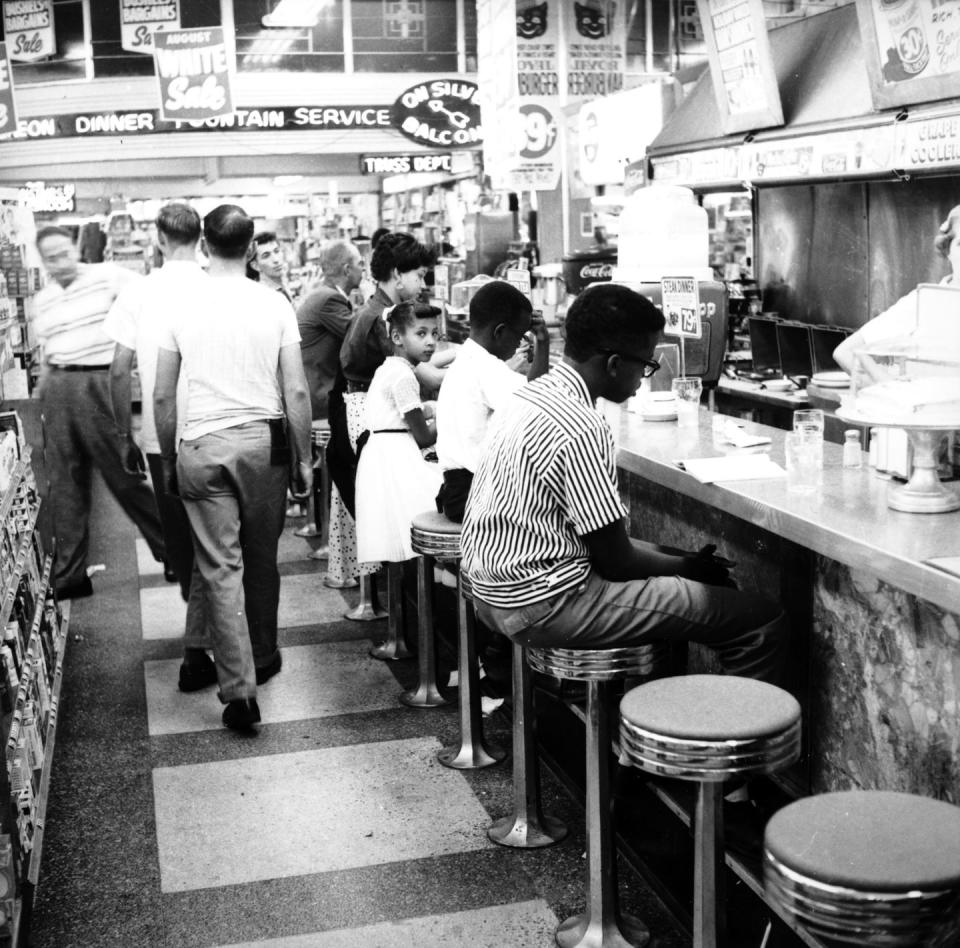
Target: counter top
(848,520)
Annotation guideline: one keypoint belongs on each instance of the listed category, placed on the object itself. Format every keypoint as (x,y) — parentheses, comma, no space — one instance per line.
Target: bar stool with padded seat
(868,867)
(602,925)
(709,729)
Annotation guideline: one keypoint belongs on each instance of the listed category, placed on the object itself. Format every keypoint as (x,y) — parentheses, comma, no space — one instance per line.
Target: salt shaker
(852,456)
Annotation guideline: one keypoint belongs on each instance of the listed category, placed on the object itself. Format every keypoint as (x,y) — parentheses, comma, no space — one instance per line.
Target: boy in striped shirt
(544,536)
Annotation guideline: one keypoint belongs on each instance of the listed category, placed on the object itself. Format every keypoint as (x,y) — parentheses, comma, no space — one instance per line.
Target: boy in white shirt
(478,383)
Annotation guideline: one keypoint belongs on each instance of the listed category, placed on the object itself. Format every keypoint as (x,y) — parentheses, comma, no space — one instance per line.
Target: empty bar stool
(394,647)
(709,729)
(602,925)
(319,525)
(868,867)
(527,827)
(433,537)
(472,752)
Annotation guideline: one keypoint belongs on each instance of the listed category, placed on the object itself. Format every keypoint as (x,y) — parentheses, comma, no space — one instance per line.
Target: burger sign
(442,113)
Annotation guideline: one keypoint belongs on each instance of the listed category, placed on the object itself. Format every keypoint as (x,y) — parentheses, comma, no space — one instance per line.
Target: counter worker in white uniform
(478,383)
(901,318)
(239,348)
(136,321)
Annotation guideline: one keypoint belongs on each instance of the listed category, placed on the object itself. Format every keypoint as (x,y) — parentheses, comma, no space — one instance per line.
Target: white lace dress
(394,482)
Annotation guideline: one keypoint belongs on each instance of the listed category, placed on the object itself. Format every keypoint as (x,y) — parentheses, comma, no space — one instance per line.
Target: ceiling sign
(8,106)
(741,67)
(442,113)
(912,49)
(139,19)
(192,67)
(28,29)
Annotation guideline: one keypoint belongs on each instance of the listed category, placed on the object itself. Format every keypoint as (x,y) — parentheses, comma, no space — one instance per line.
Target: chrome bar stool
(394,647)
(527,827)
(709,729)
(867,867)
(601,925)
(434,538)
(472,752)
(319,524)
(368,608)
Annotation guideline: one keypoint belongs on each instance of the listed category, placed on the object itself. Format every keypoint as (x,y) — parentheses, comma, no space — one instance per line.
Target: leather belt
(357,386)
(80,368)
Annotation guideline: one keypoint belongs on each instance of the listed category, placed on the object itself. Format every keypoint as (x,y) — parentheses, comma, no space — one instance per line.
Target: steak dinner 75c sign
(194,75)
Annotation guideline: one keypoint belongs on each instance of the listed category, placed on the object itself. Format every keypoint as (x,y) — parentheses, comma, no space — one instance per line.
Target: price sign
(681,307)
(521,280)
(28,30)
(139,20)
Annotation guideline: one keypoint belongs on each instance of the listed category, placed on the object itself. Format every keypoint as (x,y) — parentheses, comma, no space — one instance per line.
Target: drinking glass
(804,462)
(687,391)
(809,420)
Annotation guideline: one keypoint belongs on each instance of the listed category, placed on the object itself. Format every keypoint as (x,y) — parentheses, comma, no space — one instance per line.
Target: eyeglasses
(649,366)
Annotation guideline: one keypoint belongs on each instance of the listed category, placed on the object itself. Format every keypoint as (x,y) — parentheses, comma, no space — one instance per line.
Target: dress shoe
(241,714)
(75,590)
(268,671)
(198,675)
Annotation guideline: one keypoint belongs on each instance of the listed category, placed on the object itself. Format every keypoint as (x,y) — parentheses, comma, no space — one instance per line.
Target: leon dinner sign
(193,74)
(442,113)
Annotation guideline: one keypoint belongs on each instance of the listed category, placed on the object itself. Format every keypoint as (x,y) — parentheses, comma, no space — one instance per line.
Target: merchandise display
(34,629)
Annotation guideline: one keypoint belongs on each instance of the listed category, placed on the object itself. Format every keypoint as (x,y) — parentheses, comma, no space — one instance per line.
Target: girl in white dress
(394,482)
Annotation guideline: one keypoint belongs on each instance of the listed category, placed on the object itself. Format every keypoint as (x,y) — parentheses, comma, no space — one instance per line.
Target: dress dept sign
(193,70)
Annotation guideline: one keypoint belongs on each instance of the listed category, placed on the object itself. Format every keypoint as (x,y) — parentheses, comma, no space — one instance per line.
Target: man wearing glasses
(544,536)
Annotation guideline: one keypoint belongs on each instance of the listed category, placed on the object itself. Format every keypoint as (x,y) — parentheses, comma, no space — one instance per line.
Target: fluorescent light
(299,13)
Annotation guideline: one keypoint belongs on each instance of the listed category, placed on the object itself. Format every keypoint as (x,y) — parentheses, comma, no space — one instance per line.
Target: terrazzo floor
(333,827)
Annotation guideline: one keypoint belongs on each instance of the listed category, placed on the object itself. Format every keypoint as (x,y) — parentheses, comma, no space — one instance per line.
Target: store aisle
(334,826)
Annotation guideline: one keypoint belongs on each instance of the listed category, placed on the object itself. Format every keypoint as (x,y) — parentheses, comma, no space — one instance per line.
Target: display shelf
(34,645)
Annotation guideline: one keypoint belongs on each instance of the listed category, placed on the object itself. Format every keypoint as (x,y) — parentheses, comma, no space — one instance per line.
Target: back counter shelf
(31,668)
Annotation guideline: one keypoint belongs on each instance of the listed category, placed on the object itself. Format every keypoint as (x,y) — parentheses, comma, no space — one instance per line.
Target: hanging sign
(443,113)
(912,49)
(406,164)
(8,106)
(194,75)
(497,79)
(140,18)
(596,38)
(741,66)
(28,29)
(521,280)
(680,303)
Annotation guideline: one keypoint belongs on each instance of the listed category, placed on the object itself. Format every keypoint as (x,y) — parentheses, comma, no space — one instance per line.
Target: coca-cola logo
(596,271)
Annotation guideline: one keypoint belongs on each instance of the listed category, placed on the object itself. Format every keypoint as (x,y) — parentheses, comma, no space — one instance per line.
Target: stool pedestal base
(471,753)
(367,609)
(426,694)
(395,646)
(527,827)
(624,931)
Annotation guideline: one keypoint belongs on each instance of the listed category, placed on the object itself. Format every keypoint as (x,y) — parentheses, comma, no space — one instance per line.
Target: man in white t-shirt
(239,349)
(478,383)
(136,322)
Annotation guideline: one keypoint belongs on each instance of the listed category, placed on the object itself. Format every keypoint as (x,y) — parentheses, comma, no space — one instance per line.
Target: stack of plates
(831,379)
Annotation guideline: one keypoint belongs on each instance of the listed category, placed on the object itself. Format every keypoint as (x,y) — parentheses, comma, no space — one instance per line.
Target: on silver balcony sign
(405,164)
(443,113)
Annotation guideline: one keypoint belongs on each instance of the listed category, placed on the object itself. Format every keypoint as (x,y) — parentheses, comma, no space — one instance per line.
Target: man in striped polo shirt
(74,389)
(544,537)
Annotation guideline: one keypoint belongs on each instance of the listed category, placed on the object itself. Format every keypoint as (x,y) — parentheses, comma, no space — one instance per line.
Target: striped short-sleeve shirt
(69,320)
(547,477)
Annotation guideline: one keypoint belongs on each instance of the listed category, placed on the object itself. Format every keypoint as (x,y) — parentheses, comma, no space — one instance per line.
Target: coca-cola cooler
(584,267)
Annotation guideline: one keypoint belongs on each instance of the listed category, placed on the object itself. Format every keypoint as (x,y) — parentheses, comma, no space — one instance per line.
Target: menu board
(744,80)
(912,48)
